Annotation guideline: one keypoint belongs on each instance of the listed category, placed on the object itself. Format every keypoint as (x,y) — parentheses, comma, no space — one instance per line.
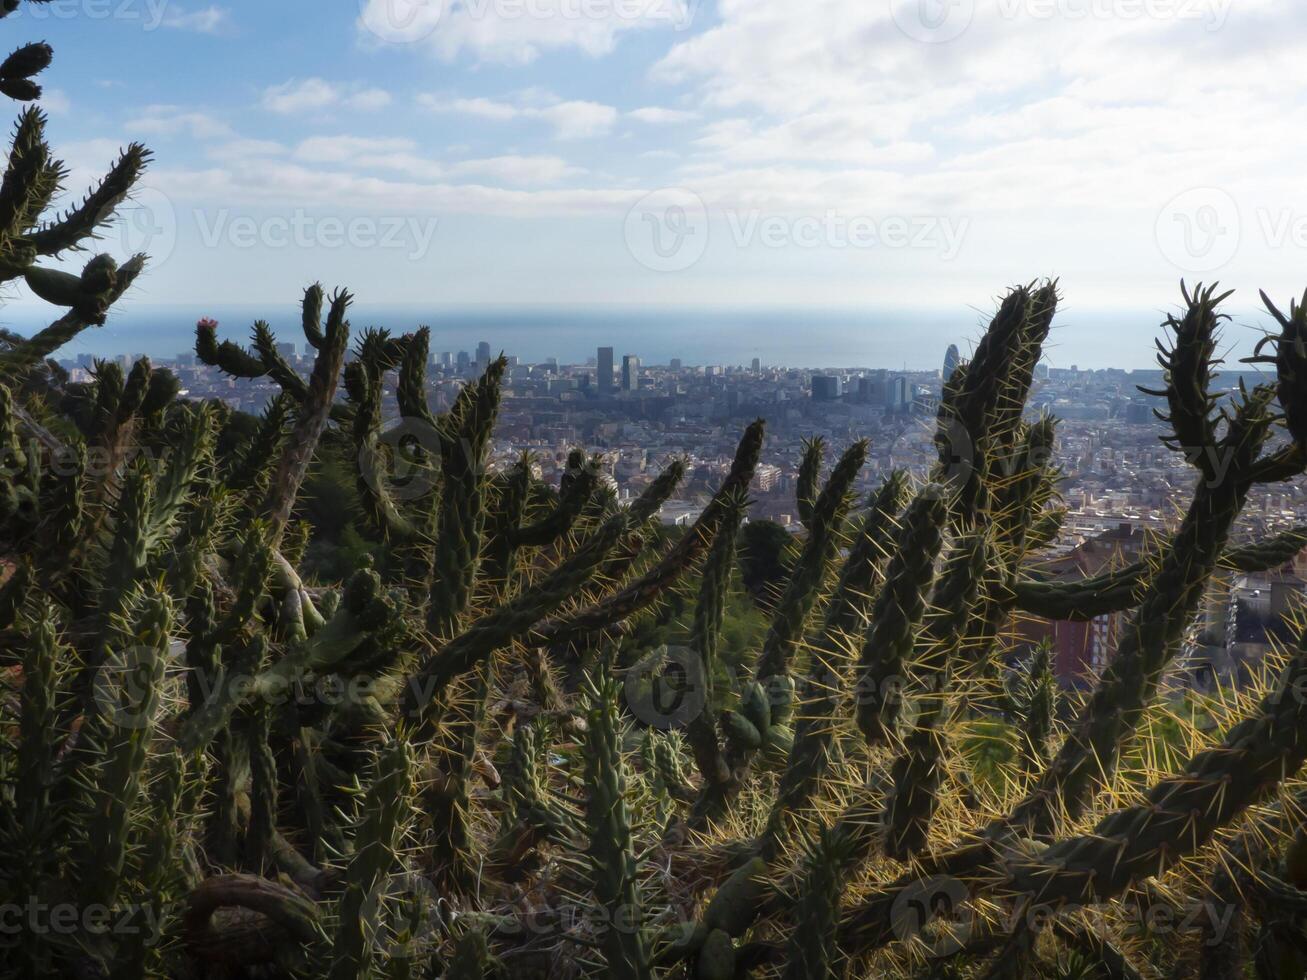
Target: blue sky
(724,153)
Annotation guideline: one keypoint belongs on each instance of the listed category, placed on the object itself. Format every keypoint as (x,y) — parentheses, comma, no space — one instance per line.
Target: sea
(799,338)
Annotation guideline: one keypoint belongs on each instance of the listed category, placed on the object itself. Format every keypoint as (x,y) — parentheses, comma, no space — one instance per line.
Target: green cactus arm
(771,674)
(613,869)
(646,589)
(263,784)
(899,608)
(274,365)
(1182,812)
(465,438)
(824,522)
(1188,369)
(410,392)
(814,450)
(299,449)
(855,590)
(41,345)
(510,491)
(812,949)
(364,613)
(364,389)
(30,182)
(311,315)
(1290,361)
(448,797)
(508,622)
(178,482)
(579,482)
(1151,638)
(387,811)
(39,739)
(1109,959)
(809,755)
(918,770)
(971,400)
(250,466)
(127,730)
(136,955)
(1114,591)
(295,917)
(228,357)
(76,226)
(1019,377)
(705,633)
(1046,528)
(657,493)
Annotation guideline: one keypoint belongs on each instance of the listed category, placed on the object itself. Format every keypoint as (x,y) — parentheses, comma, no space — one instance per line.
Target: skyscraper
(825,388)
(951,361)
(630,372)
(483,353)
(756,367)
(605,379)
(463,362)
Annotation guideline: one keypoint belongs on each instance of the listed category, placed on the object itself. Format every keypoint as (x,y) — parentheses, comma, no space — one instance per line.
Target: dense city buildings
(1121,487)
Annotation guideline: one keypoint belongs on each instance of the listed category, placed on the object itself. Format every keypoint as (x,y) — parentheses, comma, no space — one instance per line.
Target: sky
(691,153)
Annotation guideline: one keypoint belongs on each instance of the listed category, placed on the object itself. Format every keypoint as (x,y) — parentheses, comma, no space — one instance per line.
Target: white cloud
(519,170)
(55,101)
(306,95)
(402,156)
(369,99)
(517,32)
(166,120)
(570,120)
(657,115)
(209,20)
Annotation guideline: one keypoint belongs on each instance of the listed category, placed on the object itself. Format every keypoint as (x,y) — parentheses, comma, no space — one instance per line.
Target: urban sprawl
(1121,487)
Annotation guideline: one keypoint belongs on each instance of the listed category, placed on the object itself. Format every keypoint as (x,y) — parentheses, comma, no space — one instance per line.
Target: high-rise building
(446,359)
(675,364)
(757,365)
(898,394)
(464,361)
(483,352)
(630,372)
(605,380)
(951,361)
(287,350)
(825,388)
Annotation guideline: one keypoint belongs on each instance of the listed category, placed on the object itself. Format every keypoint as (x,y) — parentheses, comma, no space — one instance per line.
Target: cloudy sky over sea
(587,154)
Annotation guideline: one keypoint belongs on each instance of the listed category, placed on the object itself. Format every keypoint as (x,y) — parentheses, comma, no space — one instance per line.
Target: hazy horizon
(800,338)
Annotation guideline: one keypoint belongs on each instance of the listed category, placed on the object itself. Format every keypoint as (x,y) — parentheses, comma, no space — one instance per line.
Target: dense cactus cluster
(511,743)
(466,760)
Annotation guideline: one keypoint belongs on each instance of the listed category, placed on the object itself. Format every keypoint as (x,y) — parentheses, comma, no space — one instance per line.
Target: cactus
(613,866)
(263,761)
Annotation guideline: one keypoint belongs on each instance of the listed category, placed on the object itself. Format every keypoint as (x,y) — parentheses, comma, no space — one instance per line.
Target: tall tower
(630,372)
(483,354)
(605,370)
(951,361)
